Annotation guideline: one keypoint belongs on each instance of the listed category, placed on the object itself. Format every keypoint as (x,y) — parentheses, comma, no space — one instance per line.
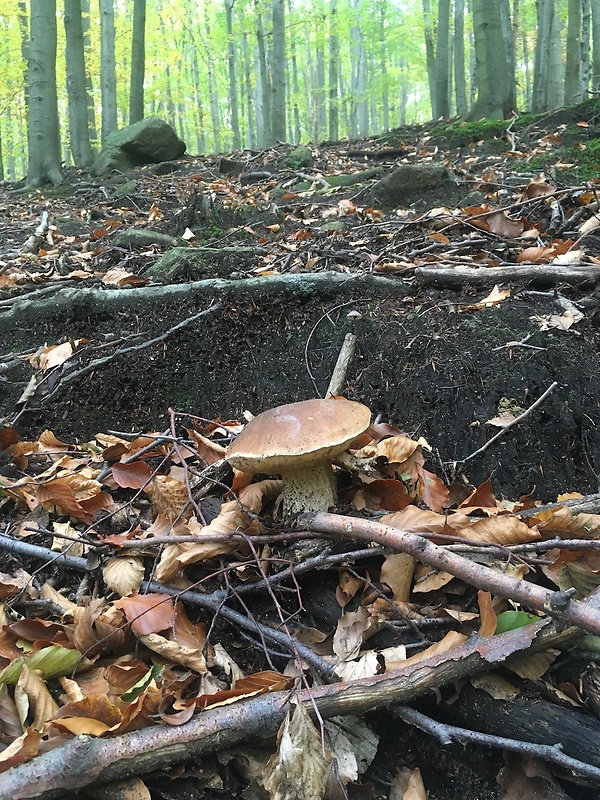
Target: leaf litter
(92,646)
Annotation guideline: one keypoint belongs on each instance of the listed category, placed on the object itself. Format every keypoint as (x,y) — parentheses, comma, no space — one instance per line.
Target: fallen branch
(84,761)
(559,604)
(450,733)
(537,274)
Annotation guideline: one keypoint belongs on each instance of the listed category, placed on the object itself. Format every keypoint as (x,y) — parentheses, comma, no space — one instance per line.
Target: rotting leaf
(298,769)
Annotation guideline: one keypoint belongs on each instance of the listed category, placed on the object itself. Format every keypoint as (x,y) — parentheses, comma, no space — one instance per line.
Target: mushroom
(299,441)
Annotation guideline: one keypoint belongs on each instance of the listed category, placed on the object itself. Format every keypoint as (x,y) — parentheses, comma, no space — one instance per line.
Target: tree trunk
(442,74)
(430,53)
(233,83)
(494,91)
(555,86)
(460,81)
(585,47)
(138,62)
(263,105)
(43,128)
(296,134)
(334,57)
(108,76)
(595,44)
(250,119)
(89,85)
(383,67)
(81,149)
(573,93)
(278,72)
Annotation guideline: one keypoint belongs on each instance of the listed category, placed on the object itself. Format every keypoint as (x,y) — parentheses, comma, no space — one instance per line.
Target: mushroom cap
(297,435)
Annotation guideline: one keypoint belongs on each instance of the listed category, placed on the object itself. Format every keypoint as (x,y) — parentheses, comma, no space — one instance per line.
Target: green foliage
(511,620)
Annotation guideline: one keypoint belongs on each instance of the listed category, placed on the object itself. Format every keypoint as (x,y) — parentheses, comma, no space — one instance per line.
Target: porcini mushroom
(299,441)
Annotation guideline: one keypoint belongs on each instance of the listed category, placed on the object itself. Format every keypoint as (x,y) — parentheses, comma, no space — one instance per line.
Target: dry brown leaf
(22,749)
(177,653)
(40,704)
(124,574)
(168,496)
(397,572)
(487,626)
(352,630)
(148,613)
(408,785)
(297,771)
(451,640)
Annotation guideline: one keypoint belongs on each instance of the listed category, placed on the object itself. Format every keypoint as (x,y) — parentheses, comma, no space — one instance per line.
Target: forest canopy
(233,74)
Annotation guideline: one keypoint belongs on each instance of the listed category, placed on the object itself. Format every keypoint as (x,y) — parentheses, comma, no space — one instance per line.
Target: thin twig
(510,425)
(449,733)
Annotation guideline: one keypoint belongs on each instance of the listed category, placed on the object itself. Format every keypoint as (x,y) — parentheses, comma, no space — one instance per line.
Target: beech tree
(495,91)
(43,126)
(108,75)
(79,132)
(278,118)
(138,60)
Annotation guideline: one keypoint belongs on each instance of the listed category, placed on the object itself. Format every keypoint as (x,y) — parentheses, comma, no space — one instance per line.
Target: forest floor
(476,297)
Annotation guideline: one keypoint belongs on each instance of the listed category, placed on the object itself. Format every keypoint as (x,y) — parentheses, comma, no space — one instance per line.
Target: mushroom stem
(309,489)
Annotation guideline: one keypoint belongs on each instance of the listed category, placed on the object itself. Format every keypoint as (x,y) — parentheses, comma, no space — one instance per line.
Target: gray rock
(148,141)
(411,180)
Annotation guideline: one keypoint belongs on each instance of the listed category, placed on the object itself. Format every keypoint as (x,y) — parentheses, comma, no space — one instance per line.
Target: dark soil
(423,363)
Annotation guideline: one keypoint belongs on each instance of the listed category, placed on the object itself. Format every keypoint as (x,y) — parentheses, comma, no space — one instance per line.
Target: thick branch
(84,761)
(559,604)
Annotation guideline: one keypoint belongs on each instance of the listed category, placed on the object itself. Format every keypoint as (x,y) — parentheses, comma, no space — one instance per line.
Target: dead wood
(84,761)
(559,604)
(534,274)
(69,300)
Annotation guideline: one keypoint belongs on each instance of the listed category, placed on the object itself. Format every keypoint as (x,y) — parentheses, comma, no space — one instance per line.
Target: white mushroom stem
(309,489)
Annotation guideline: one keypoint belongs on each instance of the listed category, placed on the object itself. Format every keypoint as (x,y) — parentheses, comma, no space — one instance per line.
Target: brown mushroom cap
(297,435)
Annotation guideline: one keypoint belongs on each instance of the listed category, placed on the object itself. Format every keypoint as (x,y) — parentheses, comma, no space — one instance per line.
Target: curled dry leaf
(177,653)
(408,785)
(123,575)
(41,705)
(148,613)
(167,495)
(177,556)
(99,628)
(20,750)
(299,768)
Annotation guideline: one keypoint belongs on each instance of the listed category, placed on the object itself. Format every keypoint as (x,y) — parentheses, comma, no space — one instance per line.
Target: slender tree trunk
(385,94)
(79,139)
(319,94)
(212,85)
(263,116)
(595,4)
(89,86)
(334,56)
(460,81)
(43,128)
(586,18)
(296,133)
(430,54)
(573,63)
(138,62)
(108,75)
(278,118)
(250,120)
(509,49)
(168,103)
(556,74)
(233,83)
(442,75)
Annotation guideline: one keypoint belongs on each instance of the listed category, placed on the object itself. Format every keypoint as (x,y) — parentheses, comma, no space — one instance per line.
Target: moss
(460,134)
